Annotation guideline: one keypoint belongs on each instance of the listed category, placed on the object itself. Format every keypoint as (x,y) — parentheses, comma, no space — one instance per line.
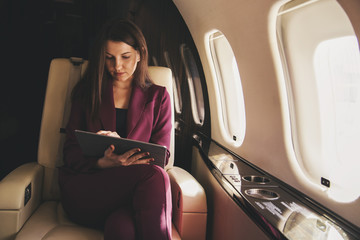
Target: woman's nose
(118,65)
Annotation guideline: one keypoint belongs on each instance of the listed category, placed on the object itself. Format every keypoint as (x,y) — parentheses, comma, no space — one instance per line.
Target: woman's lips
(119,74)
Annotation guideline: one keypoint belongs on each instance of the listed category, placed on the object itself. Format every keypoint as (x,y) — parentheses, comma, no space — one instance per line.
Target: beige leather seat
(29,196)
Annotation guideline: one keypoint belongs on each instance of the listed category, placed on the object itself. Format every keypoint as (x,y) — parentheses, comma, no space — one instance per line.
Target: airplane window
(176,85)
(337,73)
(230,89)
(193,77)
(322,59)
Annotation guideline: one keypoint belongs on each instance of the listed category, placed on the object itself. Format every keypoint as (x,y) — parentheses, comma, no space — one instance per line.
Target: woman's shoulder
(157,92)
(156,89)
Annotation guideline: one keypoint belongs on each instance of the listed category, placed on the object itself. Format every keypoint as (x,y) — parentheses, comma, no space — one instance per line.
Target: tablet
(94,145)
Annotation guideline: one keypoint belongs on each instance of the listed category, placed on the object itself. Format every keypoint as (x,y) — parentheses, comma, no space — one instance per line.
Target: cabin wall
(250,27)
(226,220)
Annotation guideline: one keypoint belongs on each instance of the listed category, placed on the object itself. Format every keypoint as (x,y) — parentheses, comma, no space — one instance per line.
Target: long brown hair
(90,88)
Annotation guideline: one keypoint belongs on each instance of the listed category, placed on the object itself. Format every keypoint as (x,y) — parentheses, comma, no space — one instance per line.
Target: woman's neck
(122,94)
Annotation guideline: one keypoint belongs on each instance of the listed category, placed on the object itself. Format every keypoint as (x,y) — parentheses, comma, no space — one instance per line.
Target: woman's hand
(111,159)
(108,133)
(130,157)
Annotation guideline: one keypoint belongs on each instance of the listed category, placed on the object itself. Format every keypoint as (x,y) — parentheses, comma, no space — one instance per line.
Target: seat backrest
(163,76)
(63,75)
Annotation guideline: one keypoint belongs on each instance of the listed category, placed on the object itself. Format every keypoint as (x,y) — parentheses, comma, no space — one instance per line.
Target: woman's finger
(140,158)
(103,132)
(109,150)
(131,152)
(143,161)
(108,133)
(114,134)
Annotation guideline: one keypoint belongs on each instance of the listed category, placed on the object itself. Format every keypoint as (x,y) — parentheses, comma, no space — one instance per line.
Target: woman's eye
(126,57)
(109,57)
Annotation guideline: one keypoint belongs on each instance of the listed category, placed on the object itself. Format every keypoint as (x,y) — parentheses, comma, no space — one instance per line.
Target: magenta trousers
(132,202)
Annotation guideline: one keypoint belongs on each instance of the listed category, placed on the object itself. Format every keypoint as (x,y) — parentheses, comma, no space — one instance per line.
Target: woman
(123,194)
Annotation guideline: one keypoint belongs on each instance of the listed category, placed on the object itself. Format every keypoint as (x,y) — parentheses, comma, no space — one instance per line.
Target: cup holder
(262,194)
(256,179)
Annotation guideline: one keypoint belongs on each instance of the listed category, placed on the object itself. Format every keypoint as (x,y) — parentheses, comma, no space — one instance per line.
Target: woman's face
(121,61)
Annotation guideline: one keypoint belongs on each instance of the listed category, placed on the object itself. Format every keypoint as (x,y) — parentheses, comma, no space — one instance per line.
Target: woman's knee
(155,184)
(153,191)
(158,174)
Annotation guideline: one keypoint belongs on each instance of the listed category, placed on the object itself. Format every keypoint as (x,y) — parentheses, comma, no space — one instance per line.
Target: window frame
(230,96)
(297,54)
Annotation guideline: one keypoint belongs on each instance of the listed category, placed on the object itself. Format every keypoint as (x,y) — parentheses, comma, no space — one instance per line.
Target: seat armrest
(20,195)
(189,204)
(192,195)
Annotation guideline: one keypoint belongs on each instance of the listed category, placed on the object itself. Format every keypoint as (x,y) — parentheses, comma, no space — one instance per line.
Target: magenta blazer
(148,120)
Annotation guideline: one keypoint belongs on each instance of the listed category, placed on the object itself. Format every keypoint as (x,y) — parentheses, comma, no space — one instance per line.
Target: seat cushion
(51,223)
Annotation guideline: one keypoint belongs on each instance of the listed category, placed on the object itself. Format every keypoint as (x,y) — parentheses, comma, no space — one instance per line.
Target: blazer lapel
(107,110)
(136,109)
